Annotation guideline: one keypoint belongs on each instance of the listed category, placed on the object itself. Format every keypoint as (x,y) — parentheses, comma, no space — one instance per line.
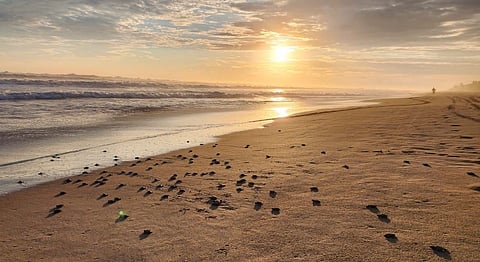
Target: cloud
(234,24)
(347,36)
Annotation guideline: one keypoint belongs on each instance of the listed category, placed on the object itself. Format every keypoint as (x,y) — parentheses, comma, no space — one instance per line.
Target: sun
(281,53)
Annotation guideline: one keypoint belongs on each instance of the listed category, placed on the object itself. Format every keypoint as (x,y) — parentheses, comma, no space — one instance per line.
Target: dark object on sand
(427,165)
(472,174)
(57,209)
(102,196)
(241,182)
(383,218)
(346,166)
(275,211)
(214,202)
(257,205)
(61,193)
(392,238)
(373,209)
(441,252)
(164,197)
(313,189)
(145,234)
(316,202)
(272,194)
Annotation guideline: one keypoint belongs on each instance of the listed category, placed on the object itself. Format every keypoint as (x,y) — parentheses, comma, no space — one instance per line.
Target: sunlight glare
(281,53)
(277,99)
(281,111)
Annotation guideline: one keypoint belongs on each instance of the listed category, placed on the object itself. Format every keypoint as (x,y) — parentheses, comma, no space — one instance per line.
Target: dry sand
(417,160)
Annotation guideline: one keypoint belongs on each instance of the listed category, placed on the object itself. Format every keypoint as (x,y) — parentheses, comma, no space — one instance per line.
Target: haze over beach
(240,130)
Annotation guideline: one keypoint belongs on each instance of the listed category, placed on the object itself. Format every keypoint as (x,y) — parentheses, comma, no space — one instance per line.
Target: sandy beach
(397,181)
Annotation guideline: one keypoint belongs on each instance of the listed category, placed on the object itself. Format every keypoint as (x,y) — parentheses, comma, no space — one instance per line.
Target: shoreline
(296,189)
(65,157)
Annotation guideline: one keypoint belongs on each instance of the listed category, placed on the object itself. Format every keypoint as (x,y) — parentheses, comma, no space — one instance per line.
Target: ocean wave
(81,83)
(56,95)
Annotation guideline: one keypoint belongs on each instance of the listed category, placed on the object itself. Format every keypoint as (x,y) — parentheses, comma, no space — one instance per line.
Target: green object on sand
(121,213)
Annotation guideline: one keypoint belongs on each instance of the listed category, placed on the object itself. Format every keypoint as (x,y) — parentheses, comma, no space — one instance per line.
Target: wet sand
(398,181)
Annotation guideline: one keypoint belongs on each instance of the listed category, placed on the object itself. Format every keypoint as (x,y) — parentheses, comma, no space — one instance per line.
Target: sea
(56,126)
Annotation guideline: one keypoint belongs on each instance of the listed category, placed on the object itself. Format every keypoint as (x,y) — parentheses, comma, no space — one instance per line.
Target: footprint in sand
(146,233)
(241,182)
(111,201)
(77,181)
(384,218)
(272,194)
(164,197)
(53,212)
(214,202)
(441,252)
(102,196)
(476,188)
(472,174)
(373,209)
(392,238)
(61,193)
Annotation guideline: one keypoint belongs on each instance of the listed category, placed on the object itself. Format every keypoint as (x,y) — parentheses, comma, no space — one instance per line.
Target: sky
(386,44)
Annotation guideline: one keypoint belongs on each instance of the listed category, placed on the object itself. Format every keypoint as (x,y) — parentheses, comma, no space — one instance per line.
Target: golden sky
(406,44)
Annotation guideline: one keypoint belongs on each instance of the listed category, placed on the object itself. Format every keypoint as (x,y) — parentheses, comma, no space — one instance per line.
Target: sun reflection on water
(277,99)
(281,111)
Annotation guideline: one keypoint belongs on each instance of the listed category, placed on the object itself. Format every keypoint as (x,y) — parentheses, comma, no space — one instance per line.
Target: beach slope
(397,181)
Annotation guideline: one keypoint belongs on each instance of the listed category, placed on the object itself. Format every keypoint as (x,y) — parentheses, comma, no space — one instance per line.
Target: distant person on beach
(434,90)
